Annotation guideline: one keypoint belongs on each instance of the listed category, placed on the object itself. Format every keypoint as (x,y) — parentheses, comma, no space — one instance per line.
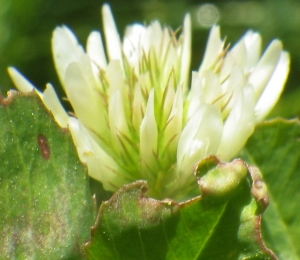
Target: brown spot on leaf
(10,96)
(44,147)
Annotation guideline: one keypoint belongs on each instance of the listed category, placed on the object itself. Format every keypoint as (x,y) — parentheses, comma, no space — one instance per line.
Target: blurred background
(26,28)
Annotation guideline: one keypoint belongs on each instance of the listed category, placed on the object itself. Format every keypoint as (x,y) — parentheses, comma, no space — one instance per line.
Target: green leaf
(275,149)
(214,226)
(46,209)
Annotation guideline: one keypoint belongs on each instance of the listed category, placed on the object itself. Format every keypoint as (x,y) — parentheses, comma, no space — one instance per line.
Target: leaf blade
(275,149)
(46,207)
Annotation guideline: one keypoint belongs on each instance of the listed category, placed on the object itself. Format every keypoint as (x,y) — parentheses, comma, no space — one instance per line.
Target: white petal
(226,67)
(214,48)
(85,100)
(100,165)
(211,87)
(52,102)
(145,83)
(117,119)
(65,50)
(195,97)
(166,101)
(94,84)
(239,54)
(101,169)
(252,42)
(186,50)
(239,125)
(274,88)
(265,68)
(95,50)
(206,89)
(138,107)
(153,38)
(236,80)
(232,87)
(21,82)
(132,44)
(247,51)
(162,45)
(200,137)
(113,42)
(115,77)
(133,37)
(174,124)
(148,135)
(81,138)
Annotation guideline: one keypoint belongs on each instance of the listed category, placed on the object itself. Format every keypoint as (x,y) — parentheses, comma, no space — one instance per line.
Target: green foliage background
(26,27)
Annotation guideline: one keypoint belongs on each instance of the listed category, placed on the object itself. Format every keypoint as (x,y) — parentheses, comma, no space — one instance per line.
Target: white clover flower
(136,117)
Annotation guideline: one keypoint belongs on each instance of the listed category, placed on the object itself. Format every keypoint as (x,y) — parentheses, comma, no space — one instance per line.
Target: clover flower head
(137,117)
